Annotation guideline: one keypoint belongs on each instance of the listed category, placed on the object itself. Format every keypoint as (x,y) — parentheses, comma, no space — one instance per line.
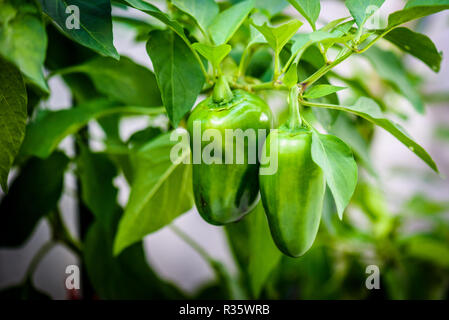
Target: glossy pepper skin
(223,192)
(293,196)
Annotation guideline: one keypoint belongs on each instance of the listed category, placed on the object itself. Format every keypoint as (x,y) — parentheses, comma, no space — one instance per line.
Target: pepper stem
(222,92)
(294,120)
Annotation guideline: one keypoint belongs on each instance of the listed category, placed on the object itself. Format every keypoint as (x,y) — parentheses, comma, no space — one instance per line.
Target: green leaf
(215,54)
(390,68)
(345,129)
(127,276)
(34,193)
(178,73)
(13,117)
(23,40)
(277,37)
(263,253)
(309,9)
(45,133)
(415,9)
(340,169)
(430,250)
(361,10)
(291,76)
(94,27)
(321,90)
(96,173)
(369,110)
(203,11)
(270,7)
(226,23)
(416,44)
(124,80)
(161,191)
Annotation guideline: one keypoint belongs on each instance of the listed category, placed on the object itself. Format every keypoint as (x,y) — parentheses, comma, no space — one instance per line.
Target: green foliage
(309,9)
(361,10)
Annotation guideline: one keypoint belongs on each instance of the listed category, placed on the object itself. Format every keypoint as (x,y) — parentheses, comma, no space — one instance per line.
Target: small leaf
(415,9)
(94,27)
(226,23)
(23,40)
(34,193)
(340,169)
(203,11)
(321,90)
(263,253)
(291,76)
(277,37)
(13,117)
(309,9)
(161,191)
(178,73)
(417,44)
(215,54)
(361,10)
(369,110)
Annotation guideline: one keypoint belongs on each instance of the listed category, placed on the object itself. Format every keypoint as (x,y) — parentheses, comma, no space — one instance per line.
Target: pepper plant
(234,55)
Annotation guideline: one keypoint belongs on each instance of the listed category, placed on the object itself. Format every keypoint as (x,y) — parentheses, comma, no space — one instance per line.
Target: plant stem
(294,120)
(222,93)
(42,252)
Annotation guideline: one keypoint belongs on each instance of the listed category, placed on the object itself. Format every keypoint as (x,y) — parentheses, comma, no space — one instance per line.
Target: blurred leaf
(346,130)
(24,291)
(263,253)
(13,117)
(34,193)
(203,11)
(421,204)
(226,23)
(23,40)
(124,80)
(127,276)
(277,37)
(415,9)
(309,9)
(178,73)
(89,25)
(340,169)
(390,68)
(430,250)
(369,110)
(215,54)
(321,90)
(96,173)
(361,10)
(45,133)
(271,7)
(417,44)
(442,133)
(161,191)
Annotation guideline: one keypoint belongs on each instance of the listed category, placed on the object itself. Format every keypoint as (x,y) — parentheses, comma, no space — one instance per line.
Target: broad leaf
(309,9)
(361,10)
(13,117)
(203,11)
(416,9)
(277,37)
(215,54)
(34,193)
(291,76)
(368,109)
(430,250)
(161,191)
(340,169)
(390,68)
(263,253)
(45,133)
(23,40)
(417,44)
(96,173)
(124,80)
(86,23)
(177,71)
(321,90)
(226,23)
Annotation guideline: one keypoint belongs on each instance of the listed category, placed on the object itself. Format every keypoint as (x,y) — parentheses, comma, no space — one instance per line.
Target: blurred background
(405,188)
